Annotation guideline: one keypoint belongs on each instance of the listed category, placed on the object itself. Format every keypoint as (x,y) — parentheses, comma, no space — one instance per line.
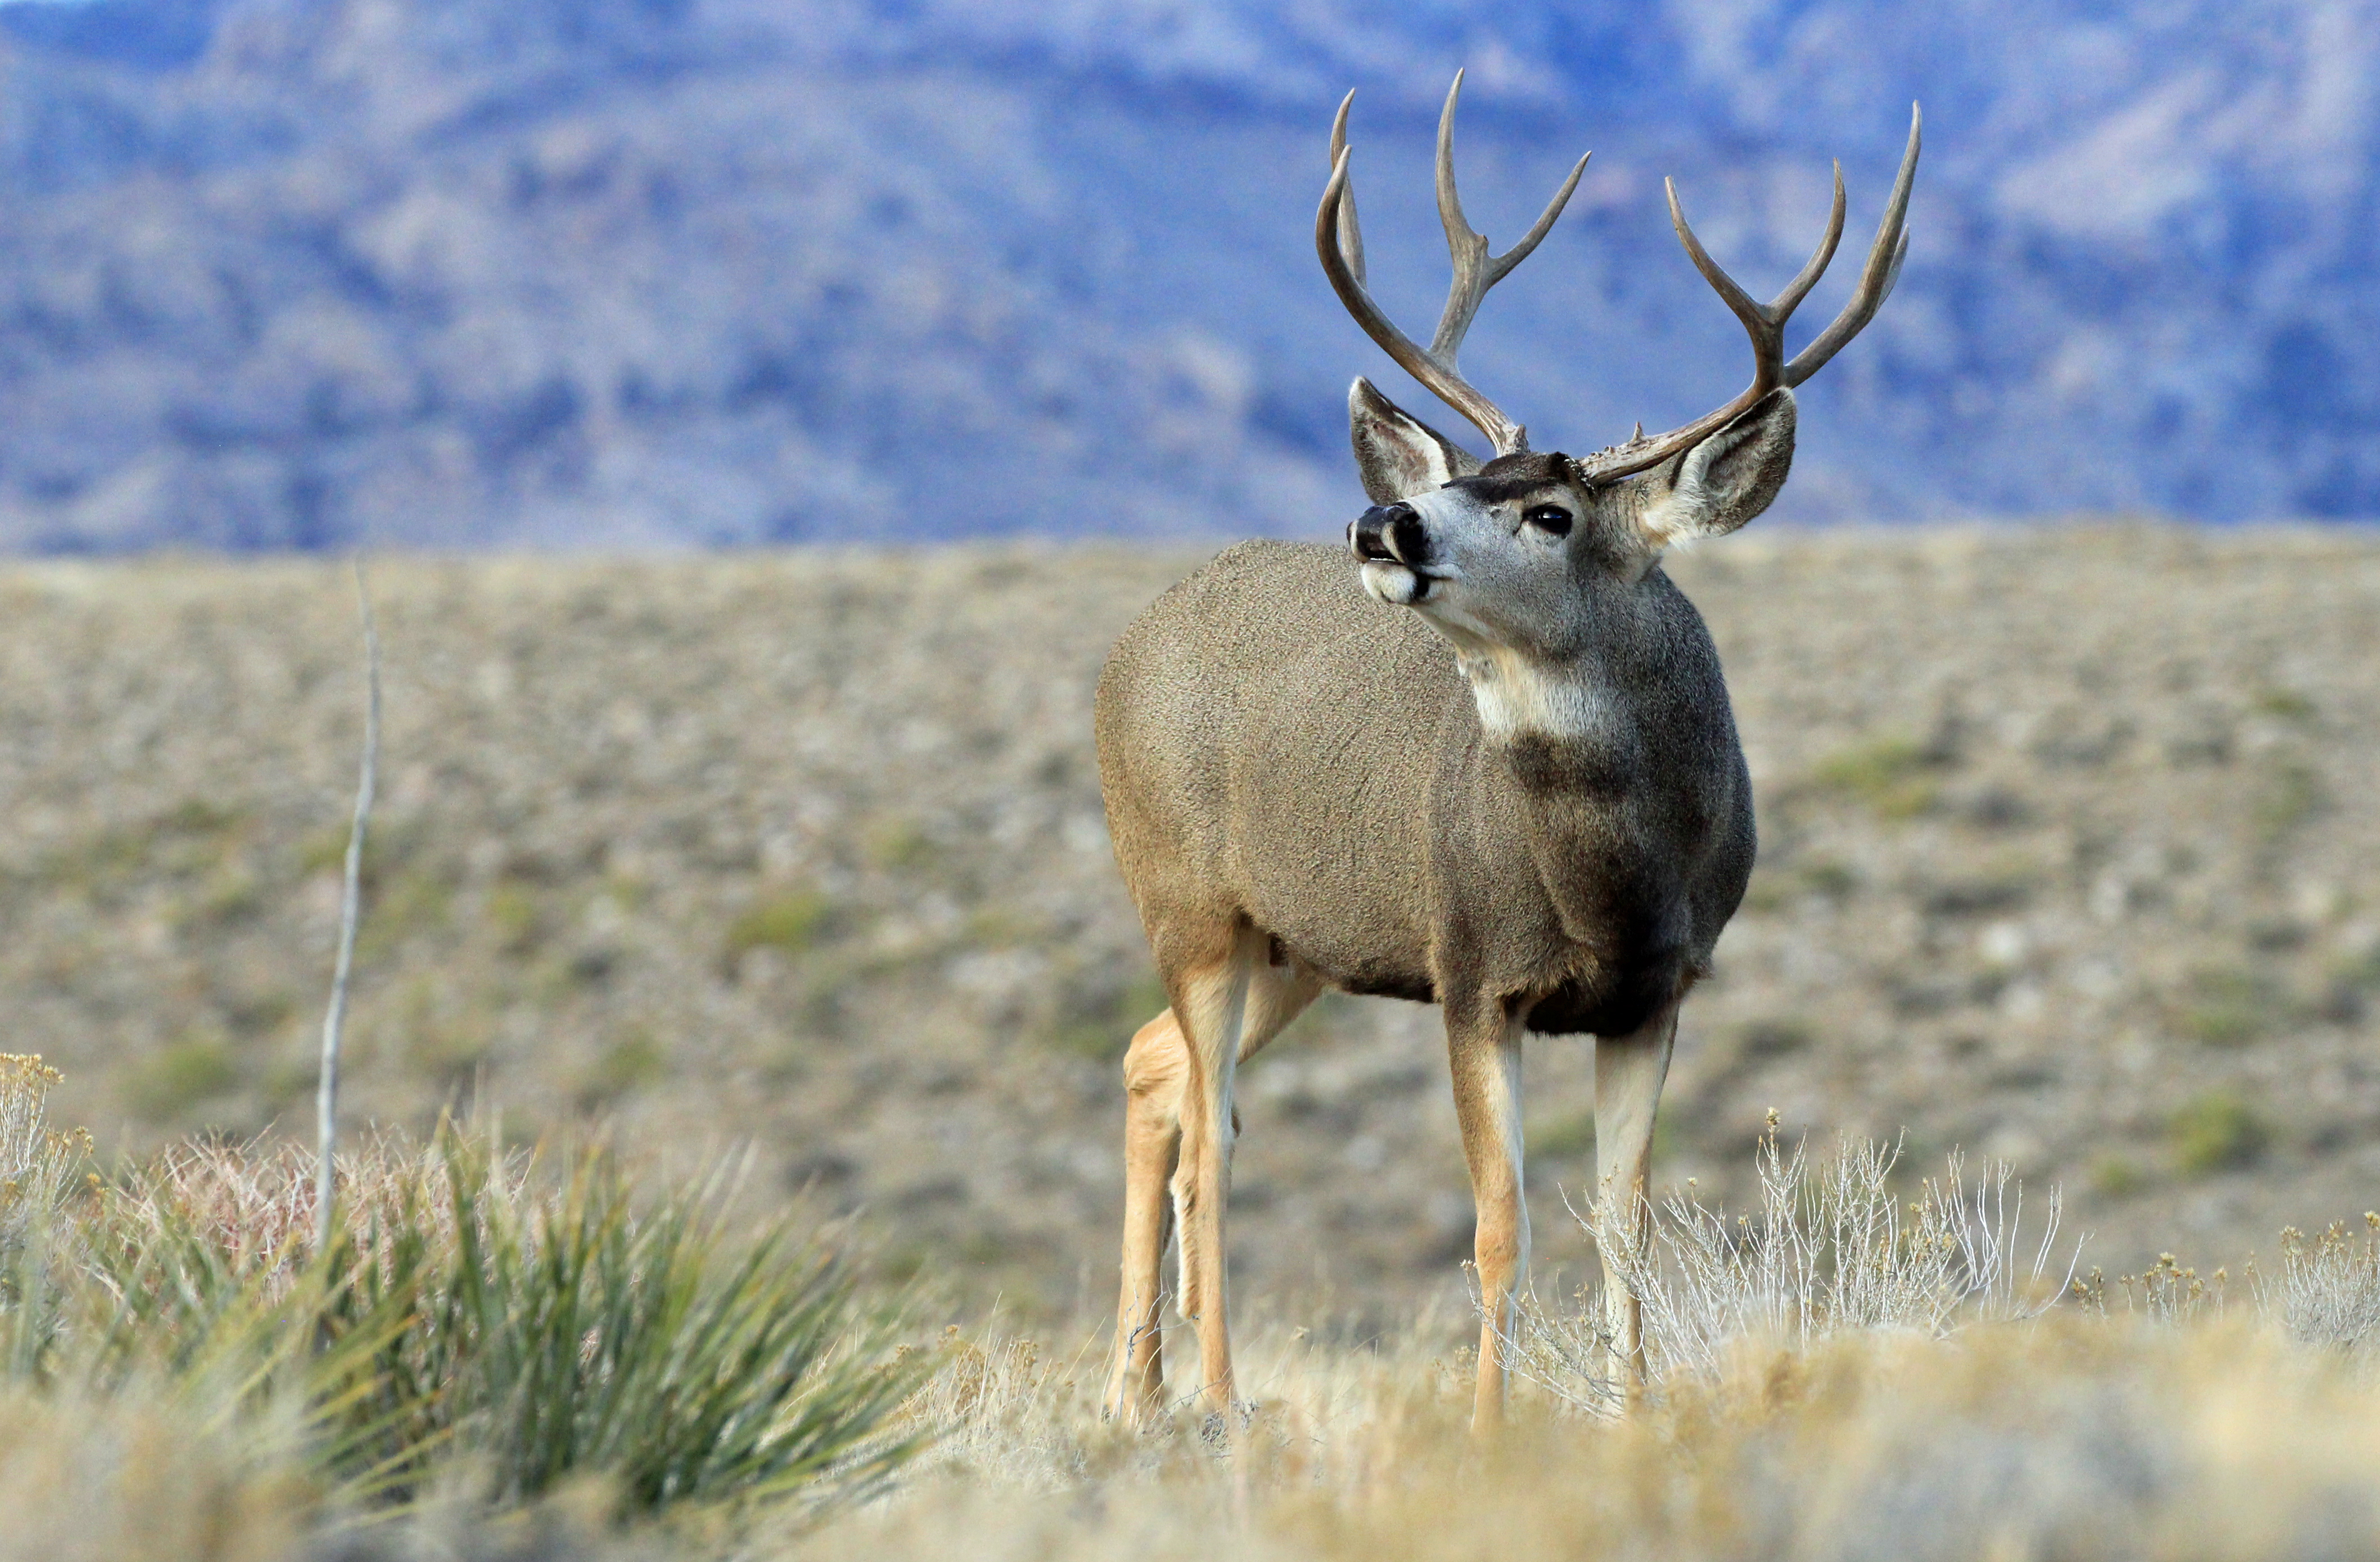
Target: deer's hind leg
(1153,1070)
(1156,1076)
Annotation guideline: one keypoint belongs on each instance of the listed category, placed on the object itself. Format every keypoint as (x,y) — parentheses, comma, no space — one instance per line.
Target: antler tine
(1476,271)
(1340,242)
(1765,323)
(1351,234)
(1820,259)
(1883,268)
(1443,383)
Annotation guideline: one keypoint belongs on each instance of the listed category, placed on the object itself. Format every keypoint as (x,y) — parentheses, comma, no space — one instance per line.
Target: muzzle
(1389,534)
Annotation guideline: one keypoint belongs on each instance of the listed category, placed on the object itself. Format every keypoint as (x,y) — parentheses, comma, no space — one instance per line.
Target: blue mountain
(617,273)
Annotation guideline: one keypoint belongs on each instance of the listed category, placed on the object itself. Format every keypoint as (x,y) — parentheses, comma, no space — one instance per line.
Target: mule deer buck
(1488,761)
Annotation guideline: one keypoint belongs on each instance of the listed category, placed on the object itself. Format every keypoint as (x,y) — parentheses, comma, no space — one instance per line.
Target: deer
(1482,756)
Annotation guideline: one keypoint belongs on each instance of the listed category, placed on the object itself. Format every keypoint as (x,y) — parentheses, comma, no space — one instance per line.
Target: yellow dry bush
(38,1165)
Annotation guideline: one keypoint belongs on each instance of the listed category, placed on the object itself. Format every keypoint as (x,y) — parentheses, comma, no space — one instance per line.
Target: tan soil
(2069,856)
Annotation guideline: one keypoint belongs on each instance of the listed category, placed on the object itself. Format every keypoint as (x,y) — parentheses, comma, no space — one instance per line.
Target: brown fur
(1303,792)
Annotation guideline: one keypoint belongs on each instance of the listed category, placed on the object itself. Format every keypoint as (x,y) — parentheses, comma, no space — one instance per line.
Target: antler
(1341,244)
(1765,322)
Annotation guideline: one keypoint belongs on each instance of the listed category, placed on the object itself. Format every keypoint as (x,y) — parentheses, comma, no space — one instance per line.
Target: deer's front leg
(1483,1049)
(1211,1006)
(1628,1071)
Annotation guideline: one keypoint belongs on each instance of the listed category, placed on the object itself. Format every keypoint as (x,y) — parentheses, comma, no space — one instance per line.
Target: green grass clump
(1890,776)
(232,895)
(1778,1036)
(2287,704)
(629,1064)
(192,841)
(410,903)
(1567,1136)
(576,1333)
(1773,889)
(2218,1131)
(2117,1176)
(1096,1018)
(790,923)
(516,917)
(898,844)
(183,1074)
(2229,1008)
(2289,792)
(1825,876)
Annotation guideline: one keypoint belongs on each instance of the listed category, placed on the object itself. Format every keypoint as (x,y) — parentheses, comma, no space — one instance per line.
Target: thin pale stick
(326,1090)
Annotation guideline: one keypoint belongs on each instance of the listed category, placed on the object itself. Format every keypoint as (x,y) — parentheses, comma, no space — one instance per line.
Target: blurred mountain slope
(291,272)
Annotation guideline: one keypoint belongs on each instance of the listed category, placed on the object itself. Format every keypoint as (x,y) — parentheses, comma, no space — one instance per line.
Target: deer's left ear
(1725,479)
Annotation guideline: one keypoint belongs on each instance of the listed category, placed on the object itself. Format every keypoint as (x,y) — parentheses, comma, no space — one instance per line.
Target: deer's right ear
(1397,454)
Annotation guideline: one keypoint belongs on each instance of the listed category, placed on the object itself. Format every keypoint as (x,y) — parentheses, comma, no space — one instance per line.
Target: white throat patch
(1516,696)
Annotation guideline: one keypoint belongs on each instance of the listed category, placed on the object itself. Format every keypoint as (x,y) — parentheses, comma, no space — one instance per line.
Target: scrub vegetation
(2060,865)
(517,1356)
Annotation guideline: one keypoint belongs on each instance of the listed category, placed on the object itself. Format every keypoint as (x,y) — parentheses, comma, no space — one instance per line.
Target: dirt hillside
(2069,856)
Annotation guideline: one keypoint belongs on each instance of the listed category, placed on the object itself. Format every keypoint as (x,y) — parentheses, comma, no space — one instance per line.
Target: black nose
(1389,531)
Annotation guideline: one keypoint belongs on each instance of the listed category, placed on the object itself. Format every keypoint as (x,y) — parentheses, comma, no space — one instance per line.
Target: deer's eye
(1551,519)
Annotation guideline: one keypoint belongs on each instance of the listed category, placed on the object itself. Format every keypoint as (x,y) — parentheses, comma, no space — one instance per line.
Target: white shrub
(2327,1292)
(1832,1249)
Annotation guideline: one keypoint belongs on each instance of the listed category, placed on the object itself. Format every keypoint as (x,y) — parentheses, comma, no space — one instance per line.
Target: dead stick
(326,1092)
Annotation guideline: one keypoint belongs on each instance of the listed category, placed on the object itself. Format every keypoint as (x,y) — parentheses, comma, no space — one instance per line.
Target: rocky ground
(2069,857)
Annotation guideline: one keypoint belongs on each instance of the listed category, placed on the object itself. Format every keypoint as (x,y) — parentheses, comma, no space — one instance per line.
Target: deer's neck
(1528,701)
(1569,767)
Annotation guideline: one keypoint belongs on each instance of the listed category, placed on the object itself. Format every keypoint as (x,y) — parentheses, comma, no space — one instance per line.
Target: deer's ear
(1397,454)
(1725,479)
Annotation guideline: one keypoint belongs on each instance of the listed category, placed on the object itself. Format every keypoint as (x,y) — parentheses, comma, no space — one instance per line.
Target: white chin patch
(1391,583)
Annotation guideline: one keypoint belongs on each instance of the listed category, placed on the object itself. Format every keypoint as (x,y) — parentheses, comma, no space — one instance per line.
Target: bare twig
(326,1094)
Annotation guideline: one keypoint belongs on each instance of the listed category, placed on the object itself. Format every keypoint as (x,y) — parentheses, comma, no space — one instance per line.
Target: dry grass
(2071,1436)
(1859,1367)
(1830,1250)
(1852,1369)
(38,1162)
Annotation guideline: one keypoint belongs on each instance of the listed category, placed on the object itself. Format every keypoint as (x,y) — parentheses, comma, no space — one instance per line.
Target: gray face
(1507,559)
(1525,569)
